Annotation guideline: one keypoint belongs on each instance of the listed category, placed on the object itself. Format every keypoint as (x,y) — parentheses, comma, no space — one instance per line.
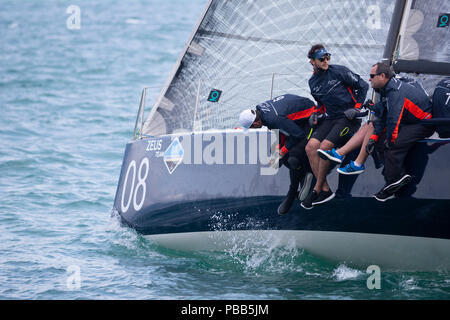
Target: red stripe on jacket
(415,110)
(320,109)
(395,133)
(282,142)
(302,114)
(376,137)
(351,93)
(357,105)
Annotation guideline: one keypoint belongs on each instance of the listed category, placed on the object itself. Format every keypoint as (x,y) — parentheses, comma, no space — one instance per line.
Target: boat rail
(267,93)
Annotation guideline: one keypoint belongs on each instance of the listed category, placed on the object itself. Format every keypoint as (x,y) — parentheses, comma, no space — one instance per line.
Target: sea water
(71,75)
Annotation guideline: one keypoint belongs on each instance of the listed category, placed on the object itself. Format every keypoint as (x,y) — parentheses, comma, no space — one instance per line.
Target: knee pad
(294,163)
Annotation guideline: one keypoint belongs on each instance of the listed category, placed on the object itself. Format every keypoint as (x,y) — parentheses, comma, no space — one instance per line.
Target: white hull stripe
(389,252)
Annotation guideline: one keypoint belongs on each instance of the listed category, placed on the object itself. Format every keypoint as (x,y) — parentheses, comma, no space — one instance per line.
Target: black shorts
(338,131)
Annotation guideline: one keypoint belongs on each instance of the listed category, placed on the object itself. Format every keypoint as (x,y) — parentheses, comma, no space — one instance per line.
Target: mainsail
(423,39)
(251,50)
(418,41)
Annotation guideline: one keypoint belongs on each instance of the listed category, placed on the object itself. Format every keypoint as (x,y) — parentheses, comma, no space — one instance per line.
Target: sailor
(341,93)
(359,140)
(290,114)
(403,104)
(362,138)
(441,106)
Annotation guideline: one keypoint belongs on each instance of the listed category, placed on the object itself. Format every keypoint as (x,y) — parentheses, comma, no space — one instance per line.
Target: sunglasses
(373,75)
(324,58)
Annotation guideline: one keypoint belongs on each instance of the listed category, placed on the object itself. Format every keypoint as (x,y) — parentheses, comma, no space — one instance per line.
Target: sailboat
(191,180)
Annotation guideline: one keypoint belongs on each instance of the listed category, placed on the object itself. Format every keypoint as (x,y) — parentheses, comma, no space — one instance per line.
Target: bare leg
(324,165)
(355,142)
(311,150)
(362,157)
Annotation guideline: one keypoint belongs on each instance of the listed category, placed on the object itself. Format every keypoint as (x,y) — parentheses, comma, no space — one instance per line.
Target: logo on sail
(214,95)
(443,21)
(173,155)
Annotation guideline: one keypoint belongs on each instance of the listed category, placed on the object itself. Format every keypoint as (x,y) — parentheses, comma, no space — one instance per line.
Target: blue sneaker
(351,168)
(330,155)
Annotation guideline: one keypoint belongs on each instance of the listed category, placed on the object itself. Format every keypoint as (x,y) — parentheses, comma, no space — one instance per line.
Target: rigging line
(204,32)
(250,76)
(262,75)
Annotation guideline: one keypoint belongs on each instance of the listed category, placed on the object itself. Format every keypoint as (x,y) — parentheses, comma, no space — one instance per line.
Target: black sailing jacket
(338,89)
(403,101)
(441,106)
(284,113)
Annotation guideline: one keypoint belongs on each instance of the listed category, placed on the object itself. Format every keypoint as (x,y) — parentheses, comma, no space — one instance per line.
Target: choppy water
(68,101)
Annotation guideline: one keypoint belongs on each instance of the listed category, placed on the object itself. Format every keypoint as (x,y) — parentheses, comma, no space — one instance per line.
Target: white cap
(246,118)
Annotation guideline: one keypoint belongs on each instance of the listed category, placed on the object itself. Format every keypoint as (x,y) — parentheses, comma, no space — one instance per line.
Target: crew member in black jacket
(341,93)
(399,112)
(441,106)
(290,114)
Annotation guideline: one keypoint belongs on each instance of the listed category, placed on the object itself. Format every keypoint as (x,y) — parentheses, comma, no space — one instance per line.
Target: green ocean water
(68,102)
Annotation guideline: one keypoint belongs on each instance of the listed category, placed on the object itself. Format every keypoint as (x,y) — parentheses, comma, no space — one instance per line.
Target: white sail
(253,50)
(424,42)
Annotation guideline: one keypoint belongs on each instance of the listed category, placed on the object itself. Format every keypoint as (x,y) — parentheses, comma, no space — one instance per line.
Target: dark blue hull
(404,216)
(180,197)
(188,198)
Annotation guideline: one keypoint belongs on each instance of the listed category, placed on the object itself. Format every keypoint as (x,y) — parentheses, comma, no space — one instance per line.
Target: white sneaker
(306,186)
(397,185)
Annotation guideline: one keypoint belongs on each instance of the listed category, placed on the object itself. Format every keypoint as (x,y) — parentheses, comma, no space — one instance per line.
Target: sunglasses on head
(324,58)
